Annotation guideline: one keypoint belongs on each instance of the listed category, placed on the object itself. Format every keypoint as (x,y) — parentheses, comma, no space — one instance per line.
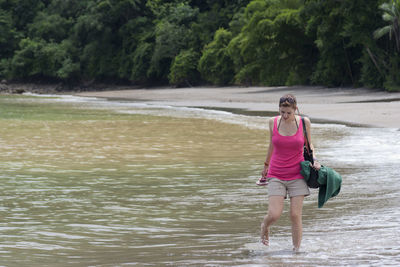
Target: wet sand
(360,106)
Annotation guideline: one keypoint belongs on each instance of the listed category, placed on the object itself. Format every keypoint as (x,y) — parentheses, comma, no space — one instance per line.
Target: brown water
(87,182)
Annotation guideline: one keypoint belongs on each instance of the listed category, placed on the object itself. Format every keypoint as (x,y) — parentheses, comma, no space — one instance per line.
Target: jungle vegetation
(190,42)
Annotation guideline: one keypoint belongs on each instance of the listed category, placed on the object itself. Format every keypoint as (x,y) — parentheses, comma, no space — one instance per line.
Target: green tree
(391,15)
(215,14)
(23,11)
(8,34)
(38,59)
(136,49)
(50,27)
(8,42)
(184,68)
(325,25)
(272,44)
(172,34)
(259,42)
(215,64)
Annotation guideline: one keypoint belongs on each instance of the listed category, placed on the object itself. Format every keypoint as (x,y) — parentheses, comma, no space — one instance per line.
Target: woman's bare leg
(275,208)
(296,209)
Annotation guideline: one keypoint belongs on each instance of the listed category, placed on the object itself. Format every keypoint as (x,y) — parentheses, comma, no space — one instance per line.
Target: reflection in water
(176,186)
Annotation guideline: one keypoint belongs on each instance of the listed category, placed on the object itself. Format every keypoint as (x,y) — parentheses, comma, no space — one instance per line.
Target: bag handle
(306,140)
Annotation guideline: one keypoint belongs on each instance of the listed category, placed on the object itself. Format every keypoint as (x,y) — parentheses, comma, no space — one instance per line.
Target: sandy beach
(357,107)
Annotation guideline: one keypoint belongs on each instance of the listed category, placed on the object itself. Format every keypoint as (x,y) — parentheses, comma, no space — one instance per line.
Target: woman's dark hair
(288,100)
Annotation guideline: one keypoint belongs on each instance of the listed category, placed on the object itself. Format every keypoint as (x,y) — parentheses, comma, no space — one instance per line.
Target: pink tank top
(287,154)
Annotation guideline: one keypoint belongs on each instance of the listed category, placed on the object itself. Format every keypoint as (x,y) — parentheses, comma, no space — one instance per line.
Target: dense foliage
(187,42)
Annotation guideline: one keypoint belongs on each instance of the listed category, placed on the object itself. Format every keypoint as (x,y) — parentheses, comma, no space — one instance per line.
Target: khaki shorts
(297,187)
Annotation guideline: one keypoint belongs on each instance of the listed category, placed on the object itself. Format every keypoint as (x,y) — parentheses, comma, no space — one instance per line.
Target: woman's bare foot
(264,235)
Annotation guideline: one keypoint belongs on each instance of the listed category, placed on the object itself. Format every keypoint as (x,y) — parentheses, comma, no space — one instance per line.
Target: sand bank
(364,107)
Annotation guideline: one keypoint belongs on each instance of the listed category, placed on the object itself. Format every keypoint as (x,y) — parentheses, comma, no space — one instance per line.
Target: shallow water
(88,182)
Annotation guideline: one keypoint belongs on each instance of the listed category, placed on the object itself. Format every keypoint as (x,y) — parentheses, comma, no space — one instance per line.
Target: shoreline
(240,111)
(356,107)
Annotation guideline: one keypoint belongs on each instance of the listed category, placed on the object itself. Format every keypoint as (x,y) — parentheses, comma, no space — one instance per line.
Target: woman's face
(287,113)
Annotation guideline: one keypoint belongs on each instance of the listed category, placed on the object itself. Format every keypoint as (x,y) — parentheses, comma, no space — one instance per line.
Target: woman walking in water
(282,169)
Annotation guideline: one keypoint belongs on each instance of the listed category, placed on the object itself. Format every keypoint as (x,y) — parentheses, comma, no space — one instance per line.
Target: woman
(282,169)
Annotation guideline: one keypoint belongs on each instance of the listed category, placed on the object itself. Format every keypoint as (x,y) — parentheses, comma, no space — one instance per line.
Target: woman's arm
(316,165)
(270,148)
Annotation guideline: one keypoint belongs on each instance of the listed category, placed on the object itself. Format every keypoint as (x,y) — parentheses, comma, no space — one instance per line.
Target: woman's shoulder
(306,120)
(298,117)
(272,119)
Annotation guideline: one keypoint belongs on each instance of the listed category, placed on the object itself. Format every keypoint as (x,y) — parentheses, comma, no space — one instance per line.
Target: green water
(92,186)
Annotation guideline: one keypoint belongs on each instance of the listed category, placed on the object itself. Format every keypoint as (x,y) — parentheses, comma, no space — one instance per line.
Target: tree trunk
(374,61)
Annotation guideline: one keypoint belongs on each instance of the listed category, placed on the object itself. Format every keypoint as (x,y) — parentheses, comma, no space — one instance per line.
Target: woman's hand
(265,171)
(316,165)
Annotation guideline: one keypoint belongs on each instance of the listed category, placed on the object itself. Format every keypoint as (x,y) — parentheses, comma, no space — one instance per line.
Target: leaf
(382,31)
